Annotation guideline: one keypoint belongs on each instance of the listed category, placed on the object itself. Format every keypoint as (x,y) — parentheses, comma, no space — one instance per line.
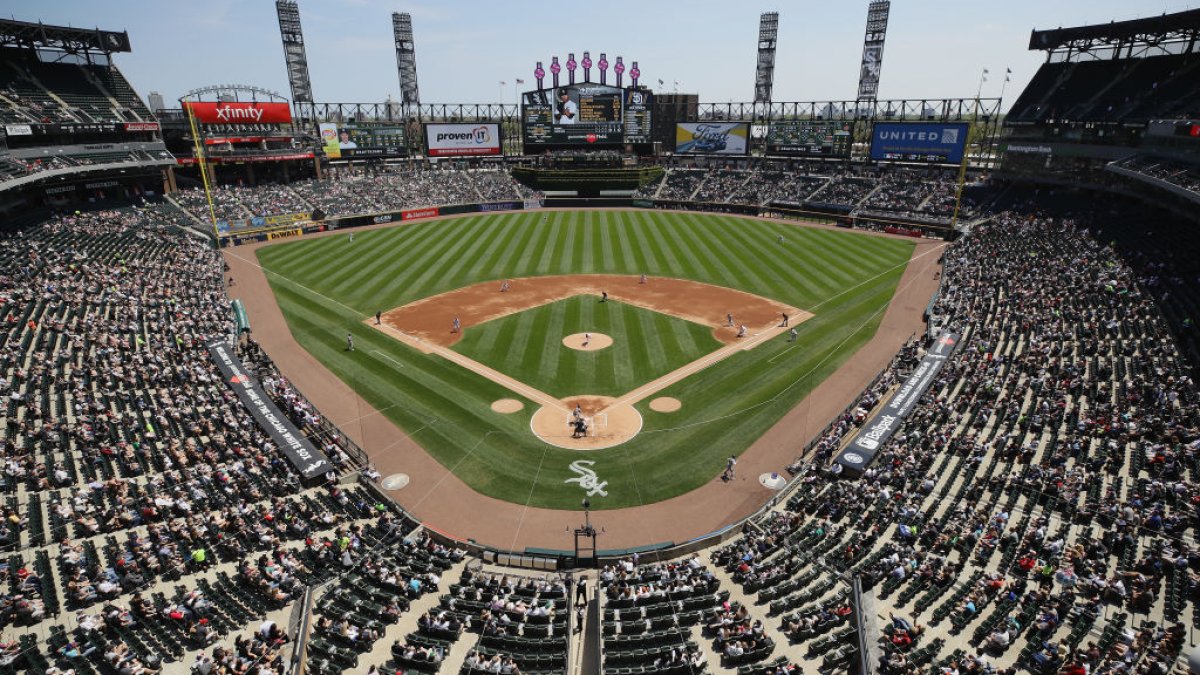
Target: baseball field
(667,389)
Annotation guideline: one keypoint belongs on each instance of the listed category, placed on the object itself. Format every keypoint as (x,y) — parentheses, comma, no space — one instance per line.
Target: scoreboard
(586,114)
(810,139)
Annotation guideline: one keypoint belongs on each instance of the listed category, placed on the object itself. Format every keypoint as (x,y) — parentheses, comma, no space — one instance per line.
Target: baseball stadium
(607,379)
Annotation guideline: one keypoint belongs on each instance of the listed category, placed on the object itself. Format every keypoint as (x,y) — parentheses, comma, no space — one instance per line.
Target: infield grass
(327,286)
(528,346)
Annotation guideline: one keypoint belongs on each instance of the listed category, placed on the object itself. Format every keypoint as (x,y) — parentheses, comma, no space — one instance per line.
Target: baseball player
(504,286)
(742,330)
(729,320)
(587,340)
(456,326)
(785,320)
(603,296)
(793,334)
(378,316)
(643,279)
(349,342)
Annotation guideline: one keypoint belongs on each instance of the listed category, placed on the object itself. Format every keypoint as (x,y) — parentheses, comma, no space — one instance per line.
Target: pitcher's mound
(507,405)
(583,343)
(665,404)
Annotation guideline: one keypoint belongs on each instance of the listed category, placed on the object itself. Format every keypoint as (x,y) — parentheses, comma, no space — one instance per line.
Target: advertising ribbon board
(858,453)
(308,460)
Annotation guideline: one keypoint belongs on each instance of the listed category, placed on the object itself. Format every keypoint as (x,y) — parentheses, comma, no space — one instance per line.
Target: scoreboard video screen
(810,139)
(586,114)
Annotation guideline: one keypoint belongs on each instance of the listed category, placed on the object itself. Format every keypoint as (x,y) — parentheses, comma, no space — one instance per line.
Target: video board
(712,138)
(936,143)
(586,114)
(810,139)
(345,141)
(462,140)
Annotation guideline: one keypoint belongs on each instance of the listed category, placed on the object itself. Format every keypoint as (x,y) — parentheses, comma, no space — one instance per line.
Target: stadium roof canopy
(64,38)
(1123,38)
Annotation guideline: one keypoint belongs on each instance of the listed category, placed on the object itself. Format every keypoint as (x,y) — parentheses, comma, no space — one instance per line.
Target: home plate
(395,481)
(773,481)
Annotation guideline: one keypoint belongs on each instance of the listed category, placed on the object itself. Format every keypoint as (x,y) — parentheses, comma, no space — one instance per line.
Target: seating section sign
(308,460)
(858,453)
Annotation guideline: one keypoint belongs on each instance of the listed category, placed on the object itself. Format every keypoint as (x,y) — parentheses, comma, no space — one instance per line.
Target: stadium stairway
(381,652)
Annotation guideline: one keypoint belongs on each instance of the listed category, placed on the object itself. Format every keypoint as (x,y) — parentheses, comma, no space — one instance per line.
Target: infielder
(456,326)
(504,286)
(742,330)
(729,320)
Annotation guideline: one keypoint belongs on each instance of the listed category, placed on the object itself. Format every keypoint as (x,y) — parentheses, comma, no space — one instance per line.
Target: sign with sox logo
(587,478)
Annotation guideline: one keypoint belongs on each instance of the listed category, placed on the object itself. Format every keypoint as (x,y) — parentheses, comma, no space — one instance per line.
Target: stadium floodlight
(764,76)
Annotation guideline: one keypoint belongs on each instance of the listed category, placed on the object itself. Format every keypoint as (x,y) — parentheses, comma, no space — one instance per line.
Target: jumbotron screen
(811,139)
(586,114)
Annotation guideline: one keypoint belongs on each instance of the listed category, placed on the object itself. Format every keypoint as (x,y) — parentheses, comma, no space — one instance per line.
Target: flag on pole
(520,81)
(1008,74)
(503,83)
(661,83)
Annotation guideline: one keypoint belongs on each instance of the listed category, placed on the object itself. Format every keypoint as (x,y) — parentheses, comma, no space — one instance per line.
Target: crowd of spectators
(133,466)
(1042,493)
(922,195)
(349,192)
(1179,174)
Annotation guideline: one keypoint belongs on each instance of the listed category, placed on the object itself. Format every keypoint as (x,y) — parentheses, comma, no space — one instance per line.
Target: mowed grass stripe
(692,251)
(768,260)
(730,263)
(726,406)
(621,228)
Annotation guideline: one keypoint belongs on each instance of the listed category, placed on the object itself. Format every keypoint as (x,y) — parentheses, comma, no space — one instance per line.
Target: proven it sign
(462,140)
(231,112)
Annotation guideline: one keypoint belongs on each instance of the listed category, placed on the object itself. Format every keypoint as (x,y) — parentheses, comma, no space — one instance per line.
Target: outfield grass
(327,286)
(528,346)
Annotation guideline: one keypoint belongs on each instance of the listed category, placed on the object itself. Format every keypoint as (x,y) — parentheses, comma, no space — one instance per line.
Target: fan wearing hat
(565,110)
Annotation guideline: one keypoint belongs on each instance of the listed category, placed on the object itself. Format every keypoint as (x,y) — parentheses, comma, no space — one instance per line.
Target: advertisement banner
(18,129)
(329,140)
(859,452)
(712,138)
(141,126)
(501,206)
(308,460)
(285,234)
(461,140)
(919,142)
(239,159)
(417,214)
(235,112)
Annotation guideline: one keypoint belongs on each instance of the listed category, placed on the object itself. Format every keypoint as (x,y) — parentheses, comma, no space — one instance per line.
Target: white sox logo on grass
(587,478)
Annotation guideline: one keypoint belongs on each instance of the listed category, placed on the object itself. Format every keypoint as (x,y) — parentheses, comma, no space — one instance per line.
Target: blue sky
(935,48)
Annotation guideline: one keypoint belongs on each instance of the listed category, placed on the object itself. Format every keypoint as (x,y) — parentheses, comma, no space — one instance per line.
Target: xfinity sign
(235,112)
(919,142)
(459,140)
